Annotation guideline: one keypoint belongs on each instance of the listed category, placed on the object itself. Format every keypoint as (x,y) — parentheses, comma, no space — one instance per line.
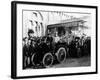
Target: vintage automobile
(47,51)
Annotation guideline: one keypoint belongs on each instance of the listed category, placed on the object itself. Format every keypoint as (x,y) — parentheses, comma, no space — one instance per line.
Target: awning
(73,23)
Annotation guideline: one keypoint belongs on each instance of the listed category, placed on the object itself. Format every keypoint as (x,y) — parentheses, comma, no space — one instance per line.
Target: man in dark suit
(28,48)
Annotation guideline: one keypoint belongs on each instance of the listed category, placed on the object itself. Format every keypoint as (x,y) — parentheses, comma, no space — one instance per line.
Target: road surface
(74,62)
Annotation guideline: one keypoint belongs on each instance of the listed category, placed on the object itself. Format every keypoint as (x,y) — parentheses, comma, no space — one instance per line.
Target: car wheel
(47,60)
(61,54)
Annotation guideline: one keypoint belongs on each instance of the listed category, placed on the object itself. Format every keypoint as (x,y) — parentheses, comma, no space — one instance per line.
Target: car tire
(47,60)
(61,54)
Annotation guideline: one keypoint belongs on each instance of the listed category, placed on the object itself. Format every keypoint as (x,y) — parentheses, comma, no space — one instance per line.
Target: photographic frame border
(14,38)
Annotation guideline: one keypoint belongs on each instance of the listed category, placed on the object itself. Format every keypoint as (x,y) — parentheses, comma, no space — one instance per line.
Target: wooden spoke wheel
(61,55)
(47,60)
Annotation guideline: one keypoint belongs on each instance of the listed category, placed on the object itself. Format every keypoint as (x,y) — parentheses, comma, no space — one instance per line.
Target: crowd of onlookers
(75,44)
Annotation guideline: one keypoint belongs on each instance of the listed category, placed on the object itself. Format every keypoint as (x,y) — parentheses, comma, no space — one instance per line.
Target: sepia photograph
(53,39)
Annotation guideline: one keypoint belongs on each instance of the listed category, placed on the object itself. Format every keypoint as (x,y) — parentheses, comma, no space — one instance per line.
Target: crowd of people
(31,44)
